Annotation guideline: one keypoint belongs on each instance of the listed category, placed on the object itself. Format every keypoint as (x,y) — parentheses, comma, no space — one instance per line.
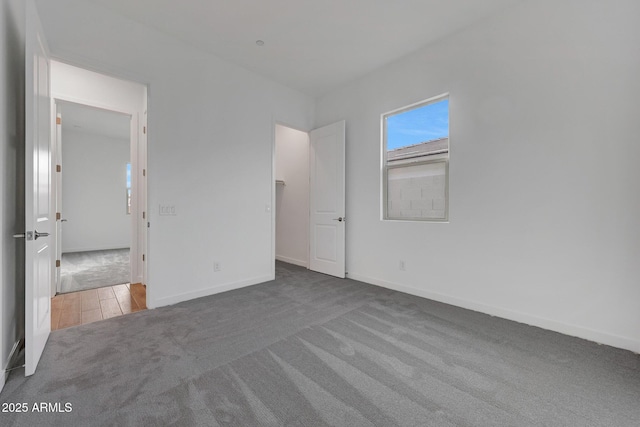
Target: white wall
(94,192)
(544,200)
(203,113)
(12,34)
(292,198)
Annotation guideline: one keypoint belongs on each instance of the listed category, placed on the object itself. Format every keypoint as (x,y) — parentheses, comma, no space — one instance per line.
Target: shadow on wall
(13,169)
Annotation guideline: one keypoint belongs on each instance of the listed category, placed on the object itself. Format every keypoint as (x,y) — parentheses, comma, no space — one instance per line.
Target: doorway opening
(291,196)
(96,232)
(99,134)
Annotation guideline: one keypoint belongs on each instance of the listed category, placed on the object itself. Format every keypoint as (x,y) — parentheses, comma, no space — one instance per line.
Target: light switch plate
(167,210)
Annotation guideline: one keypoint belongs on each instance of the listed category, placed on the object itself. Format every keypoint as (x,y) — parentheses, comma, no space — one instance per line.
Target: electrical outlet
(401,265)
(216,266)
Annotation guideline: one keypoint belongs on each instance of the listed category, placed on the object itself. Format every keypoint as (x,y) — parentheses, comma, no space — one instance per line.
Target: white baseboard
(94,248)
(529,319)
(175,299)
(13,355)
(293,261)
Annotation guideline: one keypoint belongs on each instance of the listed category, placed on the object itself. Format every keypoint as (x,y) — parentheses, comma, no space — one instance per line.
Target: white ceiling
(310,45)
(82,118)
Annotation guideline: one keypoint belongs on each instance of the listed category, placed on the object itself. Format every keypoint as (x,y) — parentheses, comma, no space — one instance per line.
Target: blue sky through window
(128,175)
(421,124)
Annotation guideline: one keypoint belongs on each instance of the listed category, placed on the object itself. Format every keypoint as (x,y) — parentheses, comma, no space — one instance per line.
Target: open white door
(38,220)
(58,197)
(327,199)
(142,197)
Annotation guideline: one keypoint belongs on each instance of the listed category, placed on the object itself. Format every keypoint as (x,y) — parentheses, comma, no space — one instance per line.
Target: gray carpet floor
(80,271)
(312,350)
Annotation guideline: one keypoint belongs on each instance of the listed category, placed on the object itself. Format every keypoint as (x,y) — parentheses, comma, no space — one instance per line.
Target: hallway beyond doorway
(79,308)
(81,271)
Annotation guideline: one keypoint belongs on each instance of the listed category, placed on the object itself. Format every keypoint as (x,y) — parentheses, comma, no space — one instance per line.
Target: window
(416,161)
(128,188)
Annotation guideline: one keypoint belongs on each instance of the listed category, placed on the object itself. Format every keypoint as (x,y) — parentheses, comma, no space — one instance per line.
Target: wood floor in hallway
(78,308)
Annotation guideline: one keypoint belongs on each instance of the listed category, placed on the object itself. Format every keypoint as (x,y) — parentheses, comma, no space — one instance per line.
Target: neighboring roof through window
(423,149)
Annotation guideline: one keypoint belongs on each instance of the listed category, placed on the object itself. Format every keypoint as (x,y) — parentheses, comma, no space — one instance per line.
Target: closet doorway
(292,196)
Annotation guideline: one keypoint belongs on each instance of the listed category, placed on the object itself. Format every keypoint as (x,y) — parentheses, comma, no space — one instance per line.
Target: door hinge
(58,168)
(57,263)
(144,215)
(144,130)
(58,121)
(58,216)
(144,172)
(143,257)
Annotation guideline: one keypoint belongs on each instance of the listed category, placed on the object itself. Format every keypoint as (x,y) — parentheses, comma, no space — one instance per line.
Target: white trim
(272,255)
(175,299)
(91,103)
(599,337)
(422,103)
(95,248)
(300,262)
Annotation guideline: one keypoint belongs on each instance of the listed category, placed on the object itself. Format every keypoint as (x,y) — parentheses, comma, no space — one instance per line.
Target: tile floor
(78,308)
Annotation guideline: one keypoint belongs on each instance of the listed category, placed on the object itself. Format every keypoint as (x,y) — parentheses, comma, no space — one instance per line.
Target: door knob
(36,234)
(340,219)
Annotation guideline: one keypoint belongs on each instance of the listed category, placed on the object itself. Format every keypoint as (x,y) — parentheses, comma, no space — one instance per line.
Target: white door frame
(138,181)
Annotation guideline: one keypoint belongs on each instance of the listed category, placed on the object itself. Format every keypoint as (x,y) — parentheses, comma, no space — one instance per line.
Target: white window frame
(435,158)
